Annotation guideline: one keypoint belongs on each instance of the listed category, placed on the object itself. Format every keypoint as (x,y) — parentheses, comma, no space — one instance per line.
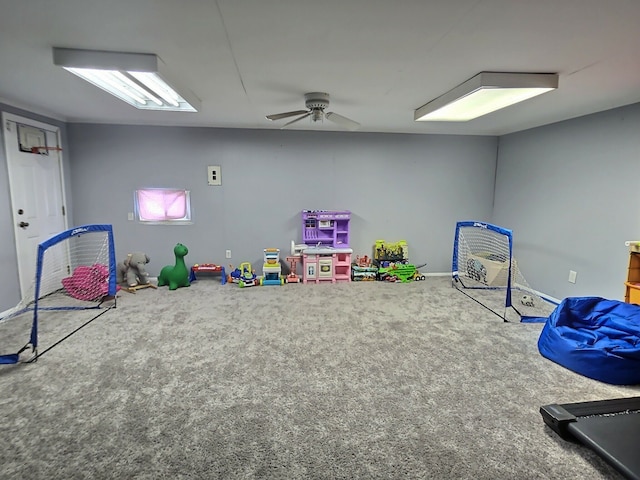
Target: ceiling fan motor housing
(316,100)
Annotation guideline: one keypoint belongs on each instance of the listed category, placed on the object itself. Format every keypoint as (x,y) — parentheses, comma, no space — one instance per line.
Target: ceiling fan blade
(342,121)
(296,120)
(279,116)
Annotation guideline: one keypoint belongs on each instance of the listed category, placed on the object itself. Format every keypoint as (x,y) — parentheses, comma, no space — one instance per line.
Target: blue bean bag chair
(595,337)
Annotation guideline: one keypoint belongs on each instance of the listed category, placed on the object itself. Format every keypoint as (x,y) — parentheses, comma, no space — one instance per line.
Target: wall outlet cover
(214,175)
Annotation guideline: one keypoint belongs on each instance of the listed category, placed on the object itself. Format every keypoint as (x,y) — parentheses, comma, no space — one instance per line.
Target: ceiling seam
(226,34)
(437,42)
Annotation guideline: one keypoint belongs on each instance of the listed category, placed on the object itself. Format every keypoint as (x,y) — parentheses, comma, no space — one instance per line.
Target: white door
(37,188)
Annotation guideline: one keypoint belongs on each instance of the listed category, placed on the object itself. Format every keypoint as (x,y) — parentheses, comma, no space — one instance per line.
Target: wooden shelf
(632,285)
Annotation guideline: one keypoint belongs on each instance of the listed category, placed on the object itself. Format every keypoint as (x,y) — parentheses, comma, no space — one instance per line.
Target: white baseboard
(6,313)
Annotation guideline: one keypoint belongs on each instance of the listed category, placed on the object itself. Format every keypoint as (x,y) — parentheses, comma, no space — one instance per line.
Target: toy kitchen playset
(327,256)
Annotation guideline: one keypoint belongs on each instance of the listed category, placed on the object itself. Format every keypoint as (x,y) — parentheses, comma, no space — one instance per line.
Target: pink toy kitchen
(328,256)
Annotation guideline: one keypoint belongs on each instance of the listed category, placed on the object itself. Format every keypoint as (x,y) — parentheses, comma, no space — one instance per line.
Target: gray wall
(570,192)
(567,190)
(10,291)
(398,187)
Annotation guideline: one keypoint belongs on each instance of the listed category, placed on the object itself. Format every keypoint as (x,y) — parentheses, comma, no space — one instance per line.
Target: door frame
(18,119)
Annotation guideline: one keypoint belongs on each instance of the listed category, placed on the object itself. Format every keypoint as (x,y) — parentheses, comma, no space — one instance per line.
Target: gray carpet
(348,381)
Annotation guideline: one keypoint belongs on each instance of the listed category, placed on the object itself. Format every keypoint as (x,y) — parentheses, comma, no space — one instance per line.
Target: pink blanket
(89,283)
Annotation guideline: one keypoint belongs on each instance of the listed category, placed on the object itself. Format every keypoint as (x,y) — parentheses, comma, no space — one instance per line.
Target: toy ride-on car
(248,276)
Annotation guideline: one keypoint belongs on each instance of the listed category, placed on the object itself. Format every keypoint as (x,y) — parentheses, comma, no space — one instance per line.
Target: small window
(163,206)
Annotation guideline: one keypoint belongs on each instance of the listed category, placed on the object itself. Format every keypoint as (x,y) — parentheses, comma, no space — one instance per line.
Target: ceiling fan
(316,103)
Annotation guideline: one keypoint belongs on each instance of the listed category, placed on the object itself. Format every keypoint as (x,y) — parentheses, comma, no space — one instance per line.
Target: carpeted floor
(347,381)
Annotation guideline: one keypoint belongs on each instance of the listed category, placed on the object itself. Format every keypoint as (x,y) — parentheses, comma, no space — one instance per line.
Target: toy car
(234,275)
(248,276)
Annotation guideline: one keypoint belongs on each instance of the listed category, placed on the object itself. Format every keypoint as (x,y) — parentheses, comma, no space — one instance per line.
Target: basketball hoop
(43,150)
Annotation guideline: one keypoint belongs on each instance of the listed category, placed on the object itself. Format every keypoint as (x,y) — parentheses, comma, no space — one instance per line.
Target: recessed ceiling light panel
(132,77)
(485,93)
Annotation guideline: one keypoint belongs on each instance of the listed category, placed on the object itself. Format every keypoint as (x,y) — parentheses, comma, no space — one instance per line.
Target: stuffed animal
(175,275)
(132,271)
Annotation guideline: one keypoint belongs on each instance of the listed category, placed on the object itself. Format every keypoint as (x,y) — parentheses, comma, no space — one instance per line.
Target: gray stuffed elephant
(132,271)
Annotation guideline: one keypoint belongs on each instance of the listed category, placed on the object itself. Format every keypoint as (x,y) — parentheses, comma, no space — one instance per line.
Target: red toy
(363,261)
(293,266)
(208,268)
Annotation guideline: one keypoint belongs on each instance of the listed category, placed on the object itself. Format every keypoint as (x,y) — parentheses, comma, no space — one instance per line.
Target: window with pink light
(163,205)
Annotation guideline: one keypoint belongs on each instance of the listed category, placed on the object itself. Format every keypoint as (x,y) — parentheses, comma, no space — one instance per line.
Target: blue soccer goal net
(484,269)
(75,282)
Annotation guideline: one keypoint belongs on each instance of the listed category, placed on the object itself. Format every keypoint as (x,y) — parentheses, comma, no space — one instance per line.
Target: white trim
(12,117)
(6,313)
(522,287)
(186,220)
(34,110)
(526,288)
(17,119)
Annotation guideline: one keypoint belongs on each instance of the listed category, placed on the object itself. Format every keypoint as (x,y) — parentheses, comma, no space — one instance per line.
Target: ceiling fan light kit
(316,103)
(485,93)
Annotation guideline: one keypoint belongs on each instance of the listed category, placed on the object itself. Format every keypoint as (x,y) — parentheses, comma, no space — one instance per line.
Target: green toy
(177,275)
(403,272)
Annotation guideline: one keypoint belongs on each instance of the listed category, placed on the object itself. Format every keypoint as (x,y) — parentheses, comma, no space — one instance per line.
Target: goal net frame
(75,270)
(483,261)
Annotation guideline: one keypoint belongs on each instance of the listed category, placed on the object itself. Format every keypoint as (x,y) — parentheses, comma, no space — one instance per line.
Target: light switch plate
(214,175)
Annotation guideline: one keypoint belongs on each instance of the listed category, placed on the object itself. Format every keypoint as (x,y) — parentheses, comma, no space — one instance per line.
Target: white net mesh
(74,276)
(485,269)
(74,272)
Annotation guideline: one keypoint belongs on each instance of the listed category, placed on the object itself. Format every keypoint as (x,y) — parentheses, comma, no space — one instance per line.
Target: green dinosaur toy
(175,275)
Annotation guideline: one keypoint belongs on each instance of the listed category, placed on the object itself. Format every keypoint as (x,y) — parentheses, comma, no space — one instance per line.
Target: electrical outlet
(228,254)
(572,276)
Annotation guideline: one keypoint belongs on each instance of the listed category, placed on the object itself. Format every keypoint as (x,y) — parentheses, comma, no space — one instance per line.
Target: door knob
(23,224)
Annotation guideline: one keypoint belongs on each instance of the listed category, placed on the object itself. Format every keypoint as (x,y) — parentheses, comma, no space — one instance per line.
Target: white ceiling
(379,60)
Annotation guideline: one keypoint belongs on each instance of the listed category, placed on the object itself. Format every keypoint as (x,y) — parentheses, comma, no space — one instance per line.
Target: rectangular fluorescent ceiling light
(132,77)
(485,93)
